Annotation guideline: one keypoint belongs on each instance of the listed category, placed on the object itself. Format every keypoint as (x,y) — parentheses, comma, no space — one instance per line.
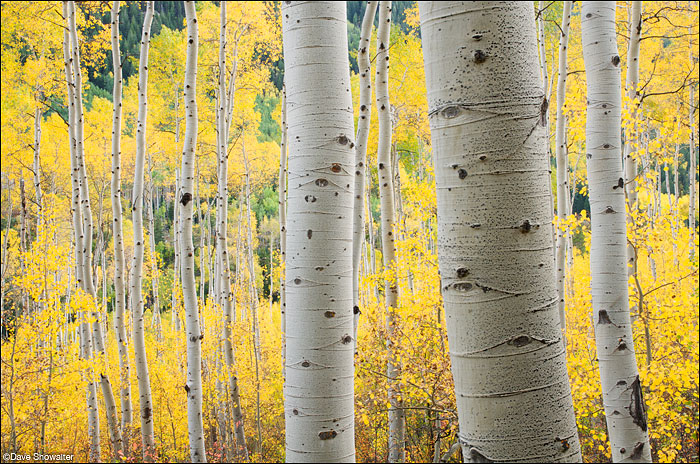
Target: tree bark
(562,167)
(318,391)
(85,336)
(283,224)
(631,142)
(193,387)
(495,236)
(622,392)
(137,304)
(692,172)
(363,125)
(397,419)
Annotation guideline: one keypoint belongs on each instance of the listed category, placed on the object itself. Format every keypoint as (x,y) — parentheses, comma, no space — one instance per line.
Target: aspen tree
(152,249)
(631,142)
(224,296)
(489,139)
(692,171)
(119,292)
(363,124)
(318,392)
(193,387)
(137,304)
(85,336)
(37,168)
(282,190)
(174,316)
(397,418)
(562,165)
(622,392)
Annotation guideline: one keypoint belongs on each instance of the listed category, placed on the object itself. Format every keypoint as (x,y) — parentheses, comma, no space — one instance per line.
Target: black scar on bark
(327,435)
(356,310)
(637,408)
(186,198)
(620,183)
(603,317)
(187,388)
(637,451)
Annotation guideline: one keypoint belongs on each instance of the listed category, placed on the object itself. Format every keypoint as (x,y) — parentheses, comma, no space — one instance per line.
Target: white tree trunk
(85,336)
(562,166)
(193,386)
(363,124)
(397,420)
(631,142)
(152,249)
(283,223)
(495,233)
(225,298)
(137,305)
(318,391)
(692,171)
(37,168)
(622,391)
(175,297)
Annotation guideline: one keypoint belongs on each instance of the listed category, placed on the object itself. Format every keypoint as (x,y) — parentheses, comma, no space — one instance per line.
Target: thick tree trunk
(37,169)
(363,124)
(193,386)
(318,391)
(622,391)
(495,232)
(397,419)
(562,167)
(137,304)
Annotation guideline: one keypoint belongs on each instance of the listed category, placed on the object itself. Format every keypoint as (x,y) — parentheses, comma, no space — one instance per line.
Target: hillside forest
(349,231)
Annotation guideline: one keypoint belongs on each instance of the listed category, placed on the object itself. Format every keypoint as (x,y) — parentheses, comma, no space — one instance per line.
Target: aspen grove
(350,231)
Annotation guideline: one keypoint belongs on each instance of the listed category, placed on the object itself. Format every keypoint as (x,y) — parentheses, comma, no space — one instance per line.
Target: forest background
(43,396)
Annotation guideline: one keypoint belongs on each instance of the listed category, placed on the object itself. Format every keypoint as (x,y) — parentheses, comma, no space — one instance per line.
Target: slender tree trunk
(363,124)
(631,142)
(622,392)
(283,224)
(152,248)
(37,168)
(253,293)
(692,172)
(85,336)
(318,391)
(397,420)
(495,233)
(175,296)
(562,167)
(194,335)
(224,296)
(137,304)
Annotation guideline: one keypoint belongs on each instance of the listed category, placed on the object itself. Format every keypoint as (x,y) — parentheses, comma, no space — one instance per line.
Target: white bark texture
(282,189)
(631,142)
(37,168)
(495,244)
(363,124)
(562,165)
(225,298)
(119,291)
(622,392)
(193,387)
(318,391)
(137,305)
(397,418)
(85,336)
(175,300)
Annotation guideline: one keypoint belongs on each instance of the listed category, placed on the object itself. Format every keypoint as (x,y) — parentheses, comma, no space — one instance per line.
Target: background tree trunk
(495,233)
(622,392)
(363,124)
(137,304)
(193,387)
(562,167)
